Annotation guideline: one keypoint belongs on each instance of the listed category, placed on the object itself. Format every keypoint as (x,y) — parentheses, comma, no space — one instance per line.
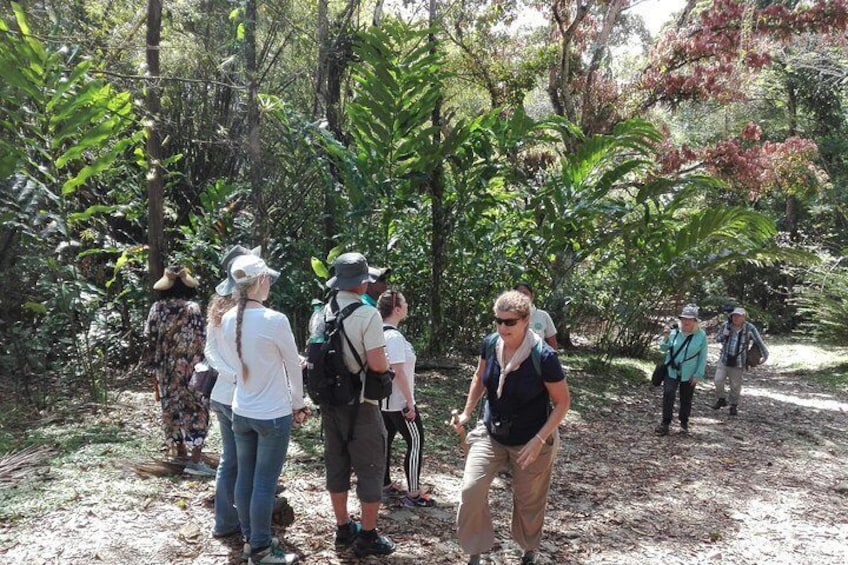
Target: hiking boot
(733,410)
(474,559)
(719,403)
(528,558)
(684,429)
(272,554)
(199,469)
(661,430)
(372,543)
(347,533)
(421,500)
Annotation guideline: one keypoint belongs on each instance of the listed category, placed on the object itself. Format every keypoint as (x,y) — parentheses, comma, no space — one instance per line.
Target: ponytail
(242,302)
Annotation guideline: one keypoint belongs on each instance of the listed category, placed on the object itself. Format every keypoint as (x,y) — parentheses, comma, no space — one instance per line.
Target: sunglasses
(508,322)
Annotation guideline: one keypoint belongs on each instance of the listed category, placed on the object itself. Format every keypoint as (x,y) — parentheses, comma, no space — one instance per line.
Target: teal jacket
(692,359)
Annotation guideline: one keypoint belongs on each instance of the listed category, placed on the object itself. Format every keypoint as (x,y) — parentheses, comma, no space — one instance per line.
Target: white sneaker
(274,553)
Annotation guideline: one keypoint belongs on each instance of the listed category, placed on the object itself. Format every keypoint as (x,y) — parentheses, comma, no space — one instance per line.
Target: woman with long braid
(260,346)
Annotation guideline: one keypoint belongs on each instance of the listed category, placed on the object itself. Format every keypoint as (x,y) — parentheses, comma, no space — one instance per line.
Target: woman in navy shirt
(526,399)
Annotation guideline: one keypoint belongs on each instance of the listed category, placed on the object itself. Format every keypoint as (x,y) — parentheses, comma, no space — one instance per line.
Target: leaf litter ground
(768,486)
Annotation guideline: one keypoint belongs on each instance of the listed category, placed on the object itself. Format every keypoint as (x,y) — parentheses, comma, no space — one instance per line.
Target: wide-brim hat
(689,311)
(173,273)
(740,312)
(228,286)
(247,268)
(351,270)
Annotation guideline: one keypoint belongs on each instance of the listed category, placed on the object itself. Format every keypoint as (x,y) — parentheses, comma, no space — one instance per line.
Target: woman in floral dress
(176,332)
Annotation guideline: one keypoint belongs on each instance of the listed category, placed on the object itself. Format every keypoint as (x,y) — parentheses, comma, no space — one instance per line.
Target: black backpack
(328,380)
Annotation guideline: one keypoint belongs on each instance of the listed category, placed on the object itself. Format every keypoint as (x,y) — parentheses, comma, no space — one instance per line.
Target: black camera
(500,427)
(675,365)
(730,361)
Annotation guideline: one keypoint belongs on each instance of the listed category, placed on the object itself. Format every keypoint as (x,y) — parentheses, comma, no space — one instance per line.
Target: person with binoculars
(685,350)
(739,339)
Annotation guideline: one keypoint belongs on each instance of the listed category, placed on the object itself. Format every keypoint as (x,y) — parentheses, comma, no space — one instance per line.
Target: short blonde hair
(513,301)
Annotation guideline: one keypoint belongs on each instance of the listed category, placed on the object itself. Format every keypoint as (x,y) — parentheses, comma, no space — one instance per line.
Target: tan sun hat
(173,273)
(740,312)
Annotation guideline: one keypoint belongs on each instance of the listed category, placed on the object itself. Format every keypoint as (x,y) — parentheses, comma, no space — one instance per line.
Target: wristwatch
(404,410)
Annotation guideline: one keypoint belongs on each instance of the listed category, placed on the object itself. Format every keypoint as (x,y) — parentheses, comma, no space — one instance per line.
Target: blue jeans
(226,517)
(261,447)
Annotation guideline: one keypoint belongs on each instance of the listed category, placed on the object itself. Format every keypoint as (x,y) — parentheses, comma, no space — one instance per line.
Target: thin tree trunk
(439,215)
(792,204)
(334,56)
(319,103)
(157,249)
(254,145)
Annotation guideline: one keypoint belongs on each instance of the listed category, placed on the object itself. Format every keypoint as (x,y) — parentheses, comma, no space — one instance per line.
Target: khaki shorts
(365,455)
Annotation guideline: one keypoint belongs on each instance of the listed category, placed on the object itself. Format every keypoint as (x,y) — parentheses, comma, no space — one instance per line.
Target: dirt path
(768,486)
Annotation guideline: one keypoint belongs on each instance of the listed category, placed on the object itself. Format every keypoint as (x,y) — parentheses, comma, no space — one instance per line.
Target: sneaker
(661,430)
(274,553)
(372,543)
(346,534)
(422,500)
(392,491)
(528,558)
(733,410)
(200,469)
(245,550)
(221,535)
(719,403)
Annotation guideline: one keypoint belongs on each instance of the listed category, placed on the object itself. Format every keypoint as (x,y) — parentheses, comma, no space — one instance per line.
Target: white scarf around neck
(522,353)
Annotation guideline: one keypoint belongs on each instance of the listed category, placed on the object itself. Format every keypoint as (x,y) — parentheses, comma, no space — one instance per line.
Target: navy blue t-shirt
(524,406)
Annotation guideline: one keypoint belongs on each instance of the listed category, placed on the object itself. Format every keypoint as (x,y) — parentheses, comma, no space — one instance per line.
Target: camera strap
(674,354)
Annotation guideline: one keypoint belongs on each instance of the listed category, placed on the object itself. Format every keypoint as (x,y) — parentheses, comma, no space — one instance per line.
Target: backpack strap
(490,342)
(340,317)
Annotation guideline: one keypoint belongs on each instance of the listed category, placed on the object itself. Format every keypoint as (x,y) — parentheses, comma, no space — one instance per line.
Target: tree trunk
(157,249)
(792,204)
(254,145)
(439,216)
(333,57)
(319,103)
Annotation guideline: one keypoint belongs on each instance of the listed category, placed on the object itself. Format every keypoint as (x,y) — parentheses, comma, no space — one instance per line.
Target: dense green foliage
(429,149)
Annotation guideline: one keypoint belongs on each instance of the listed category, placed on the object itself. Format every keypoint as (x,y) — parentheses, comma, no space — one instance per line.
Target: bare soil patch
(768,486)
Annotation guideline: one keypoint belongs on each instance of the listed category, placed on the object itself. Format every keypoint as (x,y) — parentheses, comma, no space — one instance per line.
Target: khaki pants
(735,375)
(529,492)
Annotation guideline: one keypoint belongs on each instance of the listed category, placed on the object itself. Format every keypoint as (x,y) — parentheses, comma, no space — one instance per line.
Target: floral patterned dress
(176,332)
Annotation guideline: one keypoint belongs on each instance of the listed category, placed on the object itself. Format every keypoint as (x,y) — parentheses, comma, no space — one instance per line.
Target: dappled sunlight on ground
(766,487)
(818,401)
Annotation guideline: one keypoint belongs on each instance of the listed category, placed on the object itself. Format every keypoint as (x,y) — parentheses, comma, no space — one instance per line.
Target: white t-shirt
(399,350)
(541,323)
(274,387)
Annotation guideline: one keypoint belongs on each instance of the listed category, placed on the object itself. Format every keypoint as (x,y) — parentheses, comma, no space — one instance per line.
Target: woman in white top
(399,411)
(221,399)
(540,321)
(260,346)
